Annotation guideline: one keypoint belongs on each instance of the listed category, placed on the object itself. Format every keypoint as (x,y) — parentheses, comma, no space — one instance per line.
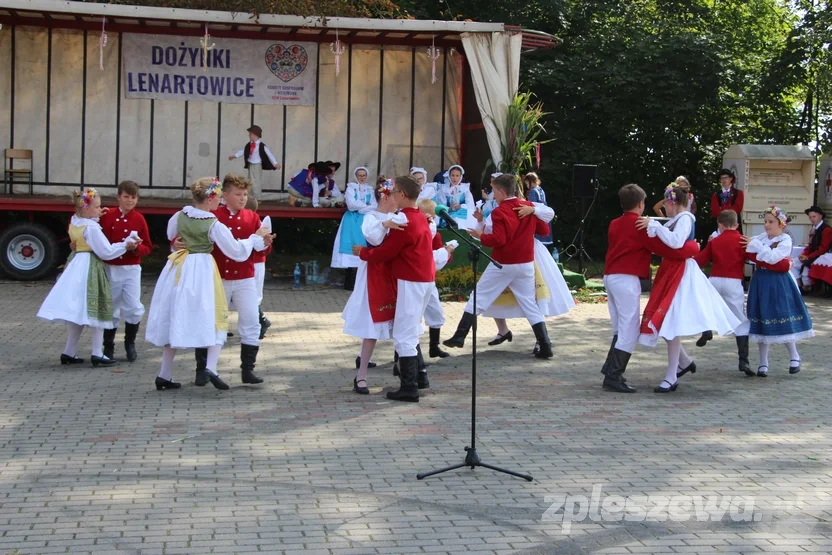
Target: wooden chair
(10,173)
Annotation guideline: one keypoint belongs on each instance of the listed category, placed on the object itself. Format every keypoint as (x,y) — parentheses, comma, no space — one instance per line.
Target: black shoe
(370,364)
(794,369)
(742,353)
(265,324)
(109,346)
(218,383)
(542,337)
(682,371)
(363,390)
(162,383)
(760,372)
(662,389)
(458,339)
(101,361)
(201,356)
(409,390)
(706,336)
(536,348)
(611,384)
(248,358)
(229,334)
(501,339)
(66,359)
(434,350)
(130,332)
(751,372)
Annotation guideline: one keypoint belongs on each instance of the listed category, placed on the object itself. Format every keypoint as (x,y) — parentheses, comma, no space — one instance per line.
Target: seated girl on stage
(314,186)
(429,191)
(682,302)
(775,306)
(361,200)
(81,296)
(457,196)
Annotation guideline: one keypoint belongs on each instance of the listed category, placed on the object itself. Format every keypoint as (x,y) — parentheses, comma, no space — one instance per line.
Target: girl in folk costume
(488,204)
(684,184)
(457,196)
(775,307)
(430,191)
(682,301)
(189,308)
(552,293)
(371,307)
(82,297)
(361,200)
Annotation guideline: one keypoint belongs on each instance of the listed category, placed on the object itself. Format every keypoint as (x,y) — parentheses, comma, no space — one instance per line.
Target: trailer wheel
(28,251)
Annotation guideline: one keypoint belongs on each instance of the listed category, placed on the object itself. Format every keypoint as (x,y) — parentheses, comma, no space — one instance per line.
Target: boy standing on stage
(257,158)
(125,272)
(512,241)
(411,256)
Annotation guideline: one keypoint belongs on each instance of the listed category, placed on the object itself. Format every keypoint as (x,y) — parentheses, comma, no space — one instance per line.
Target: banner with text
(235,70)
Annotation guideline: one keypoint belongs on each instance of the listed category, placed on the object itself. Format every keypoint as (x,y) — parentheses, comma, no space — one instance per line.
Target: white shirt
(373,226)
(356,197)
(255,155)
(675,238)
(317,187)
(761,246)
(237,250)
(96,239)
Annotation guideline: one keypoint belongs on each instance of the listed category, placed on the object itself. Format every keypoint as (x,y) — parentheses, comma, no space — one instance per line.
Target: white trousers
(260,278)
(731,291)
(434,316)
(242,296)
(624,304)
(255,175)
(126,285)
(517,277)
(411,301)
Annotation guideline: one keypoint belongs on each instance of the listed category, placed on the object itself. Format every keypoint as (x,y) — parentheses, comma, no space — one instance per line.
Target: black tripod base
(472,459)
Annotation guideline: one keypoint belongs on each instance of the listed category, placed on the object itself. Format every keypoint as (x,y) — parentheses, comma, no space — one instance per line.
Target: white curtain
(494,59)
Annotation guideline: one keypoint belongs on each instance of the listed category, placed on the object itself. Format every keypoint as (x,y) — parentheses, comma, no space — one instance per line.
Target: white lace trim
(197,214)
(775,339)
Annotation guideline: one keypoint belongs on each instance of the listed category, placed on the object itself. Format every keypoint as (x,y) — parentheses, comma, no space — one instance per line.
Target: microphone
(442,212)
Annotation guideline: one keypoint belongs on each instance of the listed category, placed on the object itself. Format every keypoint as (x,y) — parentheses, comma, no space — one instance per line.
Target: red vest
(627,253)
(512,239)
(117,227)
(242,225)
(726,255)
(409,249)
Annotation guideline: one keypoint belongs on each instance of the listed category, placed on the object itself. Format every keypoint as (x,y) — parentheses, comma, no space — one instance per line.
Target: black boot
(458,339)
(607,362)
(201,356)
(422,378)
(614,380)
(248,356)
(130,332)
(409,390)
(110,342)
(265,323)
(434,350)
(396,364)
(742,351)
(542,337)
(349,278)
(703,340)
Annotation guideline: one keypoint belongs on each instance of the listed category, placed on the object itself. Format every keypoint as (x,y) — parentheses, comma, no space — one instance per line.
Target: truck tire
(28,251)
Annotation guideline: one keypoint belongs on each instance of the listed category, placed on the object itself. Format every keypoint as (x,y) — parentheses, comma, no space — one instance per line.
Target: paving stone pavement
(98,461)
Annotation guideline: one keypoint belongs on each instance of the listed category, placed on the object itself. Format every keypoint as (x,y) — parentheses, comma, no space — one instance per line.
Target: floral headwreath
(386,188)
(670,192)
(87,197)
(214,188)
(778,213)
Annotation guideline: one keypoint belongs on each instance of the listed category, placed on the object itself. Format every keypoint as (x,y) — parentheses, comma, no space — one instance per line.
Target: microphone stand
(472,458)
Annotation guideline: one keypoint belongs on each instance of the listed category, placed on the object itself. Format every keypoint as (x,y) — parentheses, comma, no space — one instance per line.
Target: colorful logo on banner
(286,62)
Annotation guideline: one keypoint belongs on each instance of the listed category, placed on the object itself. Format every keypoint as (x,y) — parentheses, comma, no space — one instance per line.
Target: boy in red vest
(125,272)
(411,256)
(629,253)
(259,259)
(726,254)
(258,157)
(728,197)
(512,243)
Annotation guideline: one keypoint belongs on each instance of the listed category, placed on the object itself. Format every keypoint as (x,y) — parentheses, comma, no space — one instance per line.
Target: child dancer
(259,259)
(409,251)
(189,307)
(512,240)
(371,308)
(434,315)
(775,307)
(82,296)
(682,301)
(458,197)
(125,271)
(726,254)
(360,201)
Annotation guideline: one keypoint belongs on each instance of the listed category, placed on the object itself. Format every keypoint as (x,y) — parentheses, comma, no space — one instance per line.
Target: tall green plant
(520,148)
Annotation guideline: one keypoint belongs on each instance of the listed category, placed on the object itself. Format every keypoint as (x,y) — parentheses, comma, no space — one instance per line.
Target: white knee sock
(213,359)
(763,355)
(166,371)
(793,354)
(684,359)
(97,342)
(674,347)
(73,334)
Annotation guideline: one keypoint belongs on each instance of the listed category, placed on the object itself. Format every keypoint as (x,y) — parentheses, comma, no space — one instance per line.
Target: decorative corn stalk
(521,146)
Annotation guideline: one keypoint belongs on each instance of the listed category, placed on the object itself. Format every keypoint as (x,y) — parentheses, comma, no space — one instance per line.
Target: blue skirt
(776,309)
(351,232)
